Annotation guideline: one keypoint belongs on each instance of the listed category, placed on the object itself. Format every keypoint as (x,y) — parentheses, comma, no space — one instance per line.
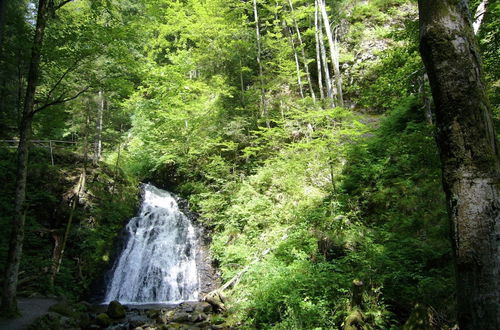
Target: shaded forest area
(302,132)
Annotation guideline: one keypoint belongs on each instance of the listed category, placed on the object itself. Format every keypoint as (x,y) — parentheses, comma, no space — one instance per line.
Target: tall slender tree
(318,52)
(469,156)
(324,58)
(334,52)
(9,305)
(302,51)
(259,61)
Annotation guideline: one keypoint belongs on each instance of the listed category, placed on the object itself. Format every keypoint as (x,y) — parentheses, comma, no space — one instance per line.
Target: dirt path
(30,308)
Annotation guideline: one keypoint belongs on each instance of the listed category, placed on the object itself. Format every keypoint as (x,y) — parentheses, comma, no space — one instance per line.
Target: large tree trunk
(9,305)
(3,16)
(469,157)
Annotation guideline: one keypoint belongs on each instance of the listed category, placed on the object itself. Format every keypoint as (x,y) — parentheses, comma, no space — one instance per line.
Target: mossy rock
(63,309)
(49,321)
(116,310)
(103,320)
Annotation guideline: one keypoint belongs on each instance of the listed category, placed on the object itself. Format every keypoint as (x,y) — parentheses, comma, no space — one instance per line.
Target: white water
(158,263)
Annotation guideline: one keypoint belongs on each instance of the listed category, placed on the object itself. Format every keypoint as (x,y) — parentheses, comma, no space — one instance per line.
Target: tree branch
(60,80)
(61,100)
(62,4)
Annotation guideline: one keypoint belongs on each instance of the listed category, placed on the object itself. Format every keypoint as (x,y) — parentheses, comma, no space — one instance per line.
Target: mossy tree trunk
(9,305)
(469,157)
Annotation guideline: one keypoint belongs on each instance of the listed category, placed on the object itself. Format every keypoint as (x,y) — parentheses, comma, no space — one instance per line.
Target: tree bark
(469,156)
(259,62)
(60,246)
(98,141)
(296,57)
(479,16)
(303,52)
(9,305)
(318,52)
(334,53)
(3,16)
(328,79)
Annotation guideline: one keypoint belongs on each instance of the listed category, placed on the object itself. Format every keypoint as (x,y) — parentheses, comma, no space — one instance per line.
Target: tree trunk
(9,305)
(259,61)
(3,16)
(98,141)
(479,16)
(469,157)
(334,53)
(242,85)
(296,57)
(59,246)
(328,80)
(318,52)
(303,52)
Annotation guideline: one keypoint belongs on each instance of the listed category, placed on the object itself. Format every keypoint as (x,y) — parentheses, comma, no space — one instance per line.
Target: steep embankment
(85,226)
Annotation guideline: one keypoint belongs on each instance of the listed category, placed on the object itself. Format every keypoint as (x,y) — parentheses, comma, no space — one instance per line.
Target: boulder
(103,320)
(181,317)
(198,317)
(116,310)
(136,321)
(203,307)
(62,308)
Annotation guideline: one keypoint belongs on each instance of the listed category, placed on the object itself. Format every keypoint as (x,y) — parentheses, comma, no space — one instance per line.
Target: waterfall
(157,264)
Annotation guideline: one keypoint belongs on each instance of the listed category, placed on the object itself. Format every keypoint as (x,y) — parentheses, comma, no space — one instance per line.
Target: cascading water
(158,263)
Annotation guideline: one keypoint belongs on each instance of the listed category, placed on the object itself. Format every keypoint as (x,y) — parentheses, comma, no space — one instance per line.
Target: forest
(340,156)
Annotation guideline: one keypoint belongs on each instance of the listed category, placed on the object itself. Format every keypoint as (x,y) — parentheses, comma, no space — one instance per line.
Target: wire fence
(48,144)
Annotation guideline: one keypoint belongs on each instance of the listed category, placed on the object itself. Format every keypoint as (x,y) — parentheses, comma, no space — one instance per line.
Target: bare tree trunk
(328,80)
(318,52)
(259,61)
(242,85)
(303,52)
(296,57)
(60,246)
(479,16)
(469,156)
(9,305)
(98,142)
(334,53)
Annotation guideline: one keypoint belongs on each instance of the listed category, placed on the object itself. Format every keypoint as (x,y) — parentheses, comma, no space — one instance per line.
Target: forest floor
(31,309)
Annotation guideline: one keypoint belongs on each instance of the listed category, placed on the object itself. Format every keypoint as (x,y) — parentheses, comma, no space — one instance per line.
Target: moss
(103,320)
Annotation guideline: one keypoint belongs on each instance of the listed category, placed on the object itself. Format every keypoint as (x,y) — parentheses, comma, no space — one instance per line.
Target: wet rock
(103,320)
(116,310)
(198,317)
(152,313)
(165,316)
(186,307)
(181,317)
(136,321)
(203,307)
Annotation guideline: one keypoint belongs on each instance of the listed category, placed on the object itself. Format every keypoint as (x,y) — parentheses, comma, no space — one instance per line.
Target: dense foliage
(305,194)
